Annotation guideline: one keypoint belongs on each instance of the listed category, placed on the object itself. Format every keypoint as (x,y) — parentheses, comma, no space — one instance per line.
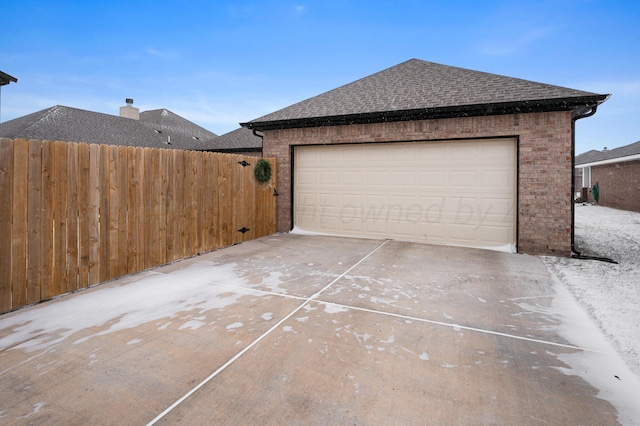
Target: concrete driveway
(291,329)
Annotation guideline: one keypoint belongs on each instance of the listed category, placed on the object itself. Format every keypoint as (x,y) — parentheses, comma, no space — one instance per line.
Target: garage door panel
(328,200)
(352,178)
(494,151)
(352,155)
(455,192)
(307,178)
(405,203)
(380,155)
(498,207)
(324,157)
(494,234)
(376,178)
(435,179)
(464,151)
(462,178)
(496,179)
(433,153)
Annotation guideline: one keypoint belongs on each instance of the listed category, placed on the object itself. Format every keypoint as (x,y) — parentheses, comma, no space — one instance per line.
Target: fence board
(189,204)
(178,194)
(6,211)
(19,224)
(105,213)
(148,200)
(208,203)
(199,201)
(238,198)
(162,217)
(59,283)
(171,210)
(139,218)
(34,223)
(46,251)
(74,215)
(114,212)
(248,192)
(225,198)
(94,214)
(123,240)
(155,208)
(84,168)
(133,219)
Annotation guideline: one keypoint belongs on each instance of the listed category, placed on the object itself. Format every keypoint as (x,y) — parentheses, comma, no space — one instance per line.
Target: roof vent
(605,148)
(130,111)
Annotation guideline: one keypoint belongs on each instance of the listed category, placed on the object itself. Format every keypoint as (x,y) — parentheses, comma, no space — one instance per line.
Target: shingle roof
(155,129)
(6,79)
(595,155)
(418,89)
(241,139)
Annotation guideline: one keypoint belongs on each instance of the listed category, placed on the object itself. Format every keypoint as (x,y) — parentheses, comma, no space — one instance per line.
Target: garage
(425,152)
(460,193)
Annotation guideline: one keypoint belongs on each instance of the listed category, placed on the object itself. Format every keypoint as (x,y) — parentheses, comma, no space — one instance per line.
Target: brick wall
(619,185)
(544,163)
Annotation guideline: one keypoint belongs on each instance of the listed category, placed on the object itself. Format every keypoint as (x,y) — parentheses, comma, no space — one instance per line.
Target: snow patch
(331,308)
(118,307)
(234,325)
(602,368)
(609,293)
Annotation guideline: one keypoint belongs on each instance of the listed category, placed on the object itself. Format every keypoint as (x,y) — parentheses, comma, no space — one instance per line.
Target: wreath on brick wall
(262,170)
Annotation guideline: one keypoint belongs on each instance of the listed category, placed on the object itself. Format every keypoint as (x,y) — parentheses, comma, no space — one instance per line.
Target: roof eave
(6,79)
(576,105)
(623,159)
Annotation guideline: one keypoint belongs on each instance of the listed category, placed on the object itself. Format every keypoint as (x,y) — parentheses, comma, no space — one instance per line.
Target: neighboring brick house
(159,128)
(431,153)
(617,173)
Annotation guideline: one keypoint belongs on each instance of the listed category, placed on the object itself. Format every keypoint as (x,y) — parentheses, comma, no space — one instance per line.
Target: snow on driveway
(610,293)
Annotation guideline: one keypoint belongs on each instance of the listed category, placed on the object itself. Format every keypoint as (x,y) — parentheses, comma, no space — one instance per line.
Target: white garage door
(459,193)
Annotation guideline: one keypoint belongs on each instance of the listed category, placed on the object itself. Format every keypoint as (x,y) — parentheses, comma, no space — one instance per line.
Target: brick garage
(419,101)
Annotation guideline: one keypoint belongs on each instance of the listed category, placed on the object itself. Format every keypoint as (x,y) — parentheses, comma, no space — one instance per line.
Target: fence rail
(73,215)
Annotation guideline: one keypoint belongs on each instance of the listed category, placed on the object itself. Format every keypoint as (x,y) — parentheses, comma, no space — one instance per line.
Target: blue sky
(218,63)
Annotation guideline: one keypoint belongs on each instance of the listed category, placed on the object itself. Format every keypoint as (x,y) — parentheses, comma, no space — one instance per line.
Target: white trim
(586,177)
(609,161)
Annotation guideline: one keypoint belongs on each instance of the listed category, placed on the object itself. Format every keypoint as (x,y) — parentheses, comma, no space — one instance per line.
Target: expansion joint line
(262,336)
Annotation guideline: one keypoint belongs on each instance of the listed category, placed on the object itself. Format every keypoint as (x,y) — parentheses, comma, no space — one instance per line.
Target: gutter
(475,110)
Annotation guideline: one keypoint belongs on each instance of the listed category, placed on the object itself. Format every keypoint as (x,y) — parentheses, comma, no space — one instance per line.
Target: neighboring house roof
(623,153)
(239,140)
(417,89)
(6,79)
(155,129)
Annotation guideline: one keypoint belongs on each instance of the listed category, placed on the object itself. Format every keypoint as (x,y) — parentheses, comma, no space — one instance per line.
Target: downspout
(255,133)
(573,171)
(574,253)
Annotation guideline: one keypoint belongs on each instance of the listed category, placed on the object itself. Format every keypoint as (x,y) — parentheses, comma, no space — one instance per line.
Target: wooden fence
(73,215)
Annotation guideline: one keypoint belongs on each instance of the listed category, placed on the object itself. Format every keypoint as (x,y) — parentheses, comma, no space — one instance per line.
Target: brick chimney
(130,111)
